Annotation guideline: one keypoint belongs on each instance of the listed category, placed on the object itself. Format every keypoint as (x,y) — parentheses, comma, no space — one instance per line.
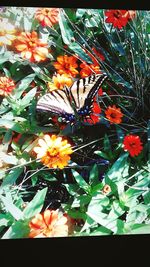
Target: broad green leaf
(114,225)
(28,97)
(23,85)
(81,201)
(81,182)
(19,229)
(66,32)
(94,175)
(115,173)
(35,205)
(11,207)
(139,229)
(12,177)
(116,210)
(88,224)
(72,189)
(101,154)
(80,52)
(4,219)
(101,231)
(98,202)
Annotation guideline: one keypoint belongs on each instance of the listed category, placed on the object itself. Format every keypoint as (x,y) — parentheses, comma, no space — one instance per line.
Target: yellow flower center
(53,151)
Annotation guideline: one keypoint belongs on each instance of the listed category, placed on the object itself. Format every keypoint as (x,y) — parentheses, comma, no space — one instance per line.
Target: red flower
(94,117)
(114,114)
(118,18)
(100,92)
(132,144)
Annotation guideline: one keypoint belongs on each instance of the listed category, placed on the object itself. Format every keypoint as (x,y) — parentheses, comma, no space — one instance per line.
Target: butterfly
(73,102)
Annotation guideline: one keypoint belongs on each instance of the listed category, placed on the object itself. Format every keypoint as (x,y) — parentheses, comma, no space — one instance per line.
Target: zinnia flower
(94,117)
(50,223)
(88,69)
(118,18)
(53,151)
(31,47)
(66,65)
(106,189)
(7,31)
(114,114)
(130,14)
(7,85)
(132,144)
(59,82)
(47,16)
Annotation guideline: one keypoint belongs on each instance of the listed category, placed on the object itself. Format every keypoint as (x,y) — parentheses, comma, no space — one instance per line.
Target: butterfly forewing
(55,102)
(84,90)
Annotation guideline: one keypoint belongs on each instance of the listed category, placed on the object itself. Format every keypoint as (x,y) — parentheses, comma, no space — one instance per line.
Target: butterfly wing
(78,97)
(84,90)
(56,102)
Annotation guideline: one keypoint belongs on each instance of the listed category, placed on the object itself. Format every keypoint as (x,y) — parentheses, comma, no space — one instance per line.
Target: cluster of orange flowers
(28,44)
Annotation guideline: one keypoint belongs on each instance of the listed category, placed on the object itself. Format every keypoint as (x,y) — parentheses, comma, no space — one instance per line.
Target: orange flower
(114,114)
(60,81)
(50,223)
(66,65)
(7,31)
(88,69)
(106,189)
(130,14)
(6,86)
(53,151)
(47,16)
(31,47)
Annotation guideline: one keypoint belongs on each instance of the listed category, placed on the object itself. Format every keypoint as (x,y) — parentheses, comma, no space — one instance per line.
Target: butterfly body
(75,102)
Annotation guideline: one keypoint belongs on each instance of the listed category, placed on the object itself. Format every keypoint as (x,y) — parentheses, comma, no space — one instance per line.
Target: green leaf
(66,32)
(81,182)
(80,201)
(11,207)
(115,173)
(139,229)
(28,97)
(116,210)
(94,175)
(4,219)
(12,177)
(114,225)
(23,85)
(101,231)
(80,52)
(72,189)
(101,154)
(19,229)
(36,204)
(107,145)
